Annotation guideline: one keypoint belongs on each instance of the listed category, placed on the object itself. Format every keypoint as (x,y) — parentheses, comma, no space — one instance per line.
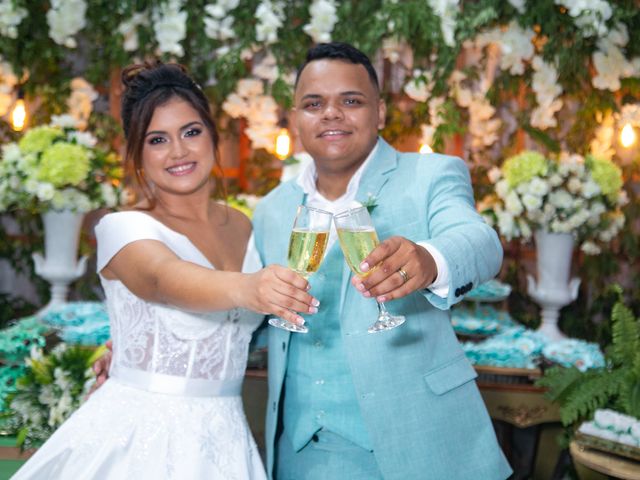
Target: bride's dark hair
(148,86)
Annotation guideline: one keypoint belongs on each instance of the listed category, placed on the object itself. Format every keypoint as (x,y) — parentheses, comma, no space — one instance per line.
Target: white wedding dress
(171,408)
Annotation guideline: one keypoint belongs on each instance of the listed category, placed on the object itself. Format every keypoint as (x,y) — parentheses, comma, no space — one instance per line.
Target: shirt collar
(308,176)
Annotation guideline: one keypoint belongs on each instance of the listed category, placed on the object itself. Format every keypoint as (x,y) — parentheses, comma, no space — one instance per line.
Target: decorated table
(607,463)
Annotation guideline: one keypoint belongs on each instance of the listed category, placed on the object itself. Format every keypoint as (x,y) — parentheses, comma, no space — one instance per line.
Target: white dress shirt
(307,181)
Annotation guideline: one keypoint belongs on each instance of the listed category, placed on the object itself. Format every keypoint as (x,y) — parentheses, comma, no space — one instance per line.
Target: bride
(182,282)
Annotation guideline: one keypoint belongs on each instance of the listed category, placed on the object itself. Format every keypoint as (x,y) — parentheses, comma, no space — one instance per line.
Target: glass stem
(382,310)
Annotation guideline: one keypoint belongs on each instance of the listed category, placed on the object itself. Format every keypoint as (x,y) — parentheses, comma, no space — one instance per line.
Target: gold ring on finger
(404,275)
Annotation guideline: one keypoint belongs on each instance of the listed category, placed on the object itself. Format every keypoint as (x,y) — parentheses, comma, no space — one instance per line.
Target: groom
(399,404)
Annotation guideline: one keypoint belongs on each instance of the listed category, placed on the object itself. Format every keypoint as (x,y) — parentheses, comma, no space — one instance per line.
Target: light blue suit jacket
(416,390)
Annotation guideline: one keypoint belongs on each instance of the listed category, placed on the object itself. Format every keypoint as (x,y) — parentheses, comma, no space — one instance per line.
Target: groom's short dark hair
(339,51)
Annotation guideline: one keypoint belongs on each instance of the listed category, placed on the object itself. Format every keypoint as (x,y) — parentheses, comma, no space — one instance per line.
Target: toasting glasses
(358,238)
(307,244)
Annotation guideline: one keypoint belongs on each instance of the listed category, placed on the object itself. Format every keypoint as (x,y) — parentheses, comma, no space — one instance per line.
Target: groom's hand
(398,267)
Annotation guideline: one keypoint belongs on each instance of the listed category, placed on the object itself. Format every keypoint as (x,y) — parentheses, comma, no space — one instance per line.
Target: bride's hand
(279,291)
(101,368)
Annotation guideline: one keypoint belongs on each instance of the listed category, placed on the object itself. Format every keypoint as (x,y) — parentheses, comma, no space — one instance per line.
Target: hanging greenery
(483,79)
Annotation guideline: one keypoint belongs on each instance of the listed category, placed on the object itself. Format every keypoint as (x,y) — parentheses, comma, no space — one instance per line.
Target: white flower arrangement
(57,167)
(571,194)
(52,388)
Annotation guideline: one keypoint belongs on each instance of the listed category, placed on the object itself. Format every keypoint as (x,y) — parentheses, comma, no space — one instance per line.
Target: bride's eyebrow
(184,127)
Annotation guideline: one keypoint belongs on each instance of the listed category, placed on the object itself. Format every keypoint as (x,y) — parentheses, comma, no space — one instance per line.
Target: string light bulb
(18,117)
(627,136)
(424,148)
(283,144)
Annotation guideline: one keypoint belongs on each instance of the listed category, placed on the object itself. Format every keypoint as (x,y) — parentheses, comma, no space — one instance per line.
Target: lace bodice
(161,339)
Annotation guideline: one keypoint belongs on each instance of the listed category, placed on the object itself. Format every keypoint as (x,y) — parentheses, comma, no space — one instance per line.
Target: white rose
(45,191)
(574,185)
(531,202)
(513,205)
(539,187)
(590,189)
(561,199)
(555,180)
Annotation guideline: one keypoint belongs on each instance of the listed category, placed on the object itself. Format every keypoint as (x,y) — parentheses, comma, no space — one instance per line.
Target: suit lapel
(377,173)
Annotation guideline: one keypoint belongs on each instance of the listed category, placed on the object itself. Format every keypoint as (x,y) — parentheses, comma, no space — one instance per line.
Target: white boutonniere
(370,203)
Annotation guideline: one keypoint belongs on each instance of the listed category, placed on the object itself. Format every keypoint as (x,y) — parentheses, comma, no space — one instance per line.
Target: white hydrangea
(66,18)
(270,17)
(11,16)
(170,27)
(323,18)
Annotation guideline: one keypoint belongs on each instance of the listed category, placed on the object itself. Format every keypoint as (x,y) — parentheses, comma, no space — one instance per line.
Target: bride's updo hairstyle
(148,86)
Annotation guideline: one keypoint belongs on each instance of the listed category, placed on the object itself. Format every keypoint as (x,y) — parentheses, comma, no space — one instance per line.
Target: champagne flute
(358,238)
(308,241)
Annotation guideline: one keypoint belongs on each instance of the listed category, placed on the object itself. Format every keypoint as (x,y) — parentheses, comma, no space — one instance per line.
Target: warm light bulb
(424,148)
(627,136)
(18,116)
(283,144)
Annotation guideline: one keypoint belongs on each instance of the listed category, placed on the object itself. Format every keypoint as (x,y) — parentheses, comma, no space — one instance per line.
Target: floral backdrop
(481,79)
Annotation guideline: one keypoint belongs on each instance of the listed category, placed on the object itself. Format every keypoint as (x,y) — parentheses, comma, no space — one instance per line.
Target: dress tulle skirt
(127,433)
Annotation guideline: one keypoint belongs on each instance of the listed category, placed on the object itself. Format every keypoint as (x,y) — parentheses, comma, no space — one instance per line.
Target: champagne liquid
(356,245)
(306,250)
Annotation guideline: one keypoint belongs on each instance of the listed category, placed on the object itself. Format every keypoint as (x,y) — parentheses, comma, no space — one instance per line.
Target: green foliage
(51,389)
(616,386)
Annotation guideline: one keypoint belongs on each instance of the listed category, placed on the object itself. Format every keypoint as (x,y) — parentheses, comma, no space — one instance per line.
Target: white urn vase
(60,265)
(553,288)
